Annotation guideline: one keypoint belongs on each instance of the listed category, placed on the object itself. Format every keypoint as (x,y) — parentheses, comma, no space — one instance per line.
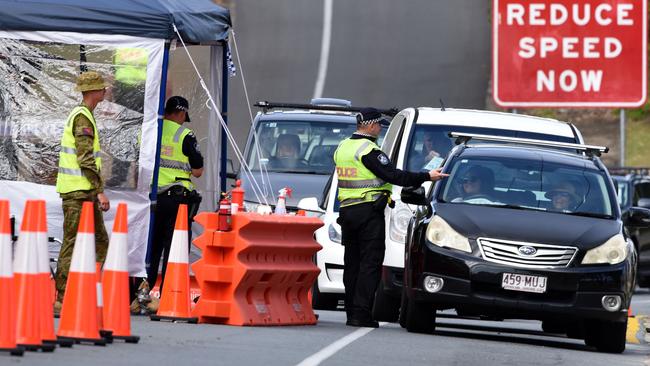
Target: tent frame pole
(153,196)
(224,114)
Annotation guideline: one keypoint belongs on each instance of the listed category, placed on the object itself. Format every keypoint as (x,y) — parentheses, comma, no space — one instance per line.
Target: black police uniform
(166,211)
(363,235)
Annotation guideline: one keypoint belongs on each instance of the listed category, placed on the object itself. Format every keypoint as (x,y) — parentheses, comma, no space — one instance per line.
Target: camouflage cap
(90,80)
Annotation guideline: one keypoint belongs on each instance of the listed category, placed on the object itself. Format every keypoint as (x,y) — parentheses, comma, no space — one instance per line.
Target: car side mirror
(414,196)
(638,217)
(644,202)
(310,204)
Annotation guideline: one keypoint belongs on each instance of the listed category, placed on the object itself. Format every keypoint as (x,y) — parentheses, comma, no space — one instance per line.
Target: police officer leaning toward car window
(365,176)
(180,159)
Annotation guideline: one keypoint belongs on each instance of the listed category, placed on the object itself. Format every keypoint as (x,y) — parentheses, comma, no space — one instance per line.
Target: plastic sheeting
(37,77)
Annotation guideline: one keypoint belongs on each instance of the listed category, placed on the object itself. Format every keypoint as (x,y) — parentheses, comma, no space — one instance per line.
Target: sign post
(570,53)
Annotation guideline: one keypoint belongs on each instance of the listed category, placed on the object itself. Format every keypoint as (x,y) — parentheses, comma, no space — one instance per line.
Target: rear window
(429,144)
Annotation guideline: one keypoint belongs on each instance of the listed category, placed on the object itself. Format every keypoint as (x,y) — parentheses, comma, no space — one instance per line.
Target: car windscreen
(297,146)
(429,144)
(527,184)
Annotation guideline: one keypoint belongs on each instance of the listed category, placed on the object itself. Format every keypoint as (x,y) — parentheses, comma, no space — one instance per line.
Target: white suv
(404,144)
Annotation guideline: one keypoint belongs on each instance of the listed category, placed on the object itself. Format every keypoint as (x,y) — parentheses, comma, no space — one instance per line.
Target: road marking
(324,49)
(632,330)
(330,350)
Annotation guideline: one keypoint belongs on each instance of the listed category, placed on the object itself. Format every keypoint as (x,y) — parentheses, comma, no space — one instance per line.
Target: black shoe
(362,323)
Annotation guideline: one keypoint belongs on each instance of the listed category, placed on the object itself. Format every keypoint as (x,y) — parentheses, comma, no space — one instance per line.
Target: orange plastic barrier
(259,273)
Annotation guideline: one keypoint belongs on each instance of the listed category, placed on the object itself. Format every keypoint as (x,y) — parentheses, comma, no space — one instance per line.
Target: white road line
(324,49)
(330,350)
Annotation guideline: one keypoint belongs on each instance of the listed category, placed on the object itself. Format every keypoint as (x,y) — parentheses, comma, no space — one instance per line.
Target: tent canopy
(198,21)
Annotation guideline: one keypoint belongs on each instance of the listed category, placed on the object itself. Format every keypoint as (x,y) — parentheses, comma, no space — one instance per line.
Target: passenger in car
(563,197)
(420,159)
(477,182)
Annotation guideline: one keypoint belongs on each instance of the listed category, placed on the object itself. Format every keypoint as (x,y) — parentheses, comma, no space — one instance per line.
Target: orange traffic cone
(117,317)
(28,281)
(175,297)
(78,321)
(46,300)
(106,334)
(7,299)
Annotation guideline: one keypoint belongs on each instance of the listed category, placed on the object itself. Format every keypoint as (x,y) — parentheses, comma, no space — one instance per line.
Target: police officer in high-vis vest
(79,178)
(130,77)
(180,160)
(365,178)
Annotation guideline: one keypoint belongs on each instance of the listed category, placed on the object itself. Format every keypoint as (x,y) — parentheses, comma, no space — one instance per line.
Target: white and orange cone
(7,295)
(175,297)
(46,300)
(106,334)
(28,280)
(115,280)
(78,321)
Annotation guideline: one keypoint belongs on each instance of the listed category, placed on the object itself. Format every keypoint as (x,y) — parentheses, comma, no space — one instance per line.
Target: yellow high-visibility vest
(130,65)
(175,167)
(357,184)
(70,177)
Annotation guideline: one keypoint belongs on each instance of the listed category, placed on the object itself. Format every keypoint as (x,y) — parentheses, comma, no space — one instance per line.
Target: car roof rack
(590,150)
(265,105)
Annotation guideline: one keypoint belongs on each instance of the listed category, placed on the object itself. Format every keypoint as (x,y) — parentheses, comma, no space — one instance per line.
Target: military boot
(57,308)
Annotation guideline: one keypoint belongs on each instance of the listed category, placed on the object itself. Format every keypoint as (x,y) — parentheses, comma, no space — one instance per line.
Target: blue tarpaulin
(198,21)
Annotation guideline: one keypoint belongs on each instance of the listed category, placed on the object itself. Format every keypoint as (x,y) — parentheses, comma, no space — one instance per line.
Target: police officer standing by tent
(79,177)
(180,159)
(365,175)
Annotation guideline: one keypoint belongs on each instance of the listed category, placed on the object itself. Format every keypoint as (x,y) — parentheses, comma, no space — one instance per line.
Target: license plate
(525,283)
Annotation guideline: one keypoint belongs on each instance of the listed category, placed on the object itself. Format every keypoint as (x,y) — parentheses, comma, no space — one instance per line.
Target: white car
(404,144)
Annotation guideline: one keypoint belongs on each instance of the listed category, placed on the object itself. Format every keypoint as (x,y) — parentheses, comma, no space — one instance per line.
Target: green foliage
(638,142)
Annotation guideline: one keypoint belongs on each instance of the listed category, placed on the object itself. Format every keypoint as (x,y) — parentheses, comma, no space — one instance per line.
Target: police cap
(368,116)
(177,103)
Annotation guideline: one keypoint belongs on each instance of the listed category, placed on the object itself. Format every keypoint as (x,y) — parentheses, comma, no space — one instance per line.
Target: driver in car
(287,153)
(563,197)
(477,182)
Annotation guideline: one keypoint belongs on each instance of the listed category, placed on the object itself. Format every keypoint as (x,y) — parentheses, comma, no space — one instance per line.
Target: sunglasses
(561,194)
(470,180)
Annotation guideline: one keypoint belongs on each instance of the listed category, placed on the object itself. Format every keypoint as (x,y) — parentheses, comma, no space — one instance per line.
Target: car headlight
(441,234)
(614,251)
(334,231)
(399,221)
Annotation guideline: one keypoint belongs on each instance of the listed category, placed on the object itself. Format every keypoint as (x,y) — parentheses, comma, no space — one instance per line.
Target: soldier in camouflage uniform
(79,177)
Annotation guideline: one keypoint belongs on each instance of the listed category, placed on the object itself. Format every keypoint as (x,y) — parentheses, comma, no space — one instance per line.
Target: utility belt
(180,194)
(380,200)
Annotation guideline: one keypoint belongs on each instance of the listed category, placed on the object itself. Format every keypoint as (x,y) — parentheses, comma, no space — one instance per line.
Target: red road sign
(570,53)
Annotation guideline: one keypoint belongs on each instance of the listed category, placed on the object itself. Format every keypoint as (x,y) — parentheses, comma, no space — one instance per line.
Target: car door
(642,190)
(397,218)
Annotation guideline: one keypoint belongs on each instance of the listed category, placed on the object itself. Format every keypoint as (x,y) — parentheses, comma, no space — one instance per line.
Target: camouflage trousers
(72,203)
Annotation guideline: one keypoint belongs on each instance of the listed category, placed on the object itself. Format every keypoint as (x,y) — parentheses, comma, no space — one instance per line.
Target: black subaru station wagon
(522,229)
